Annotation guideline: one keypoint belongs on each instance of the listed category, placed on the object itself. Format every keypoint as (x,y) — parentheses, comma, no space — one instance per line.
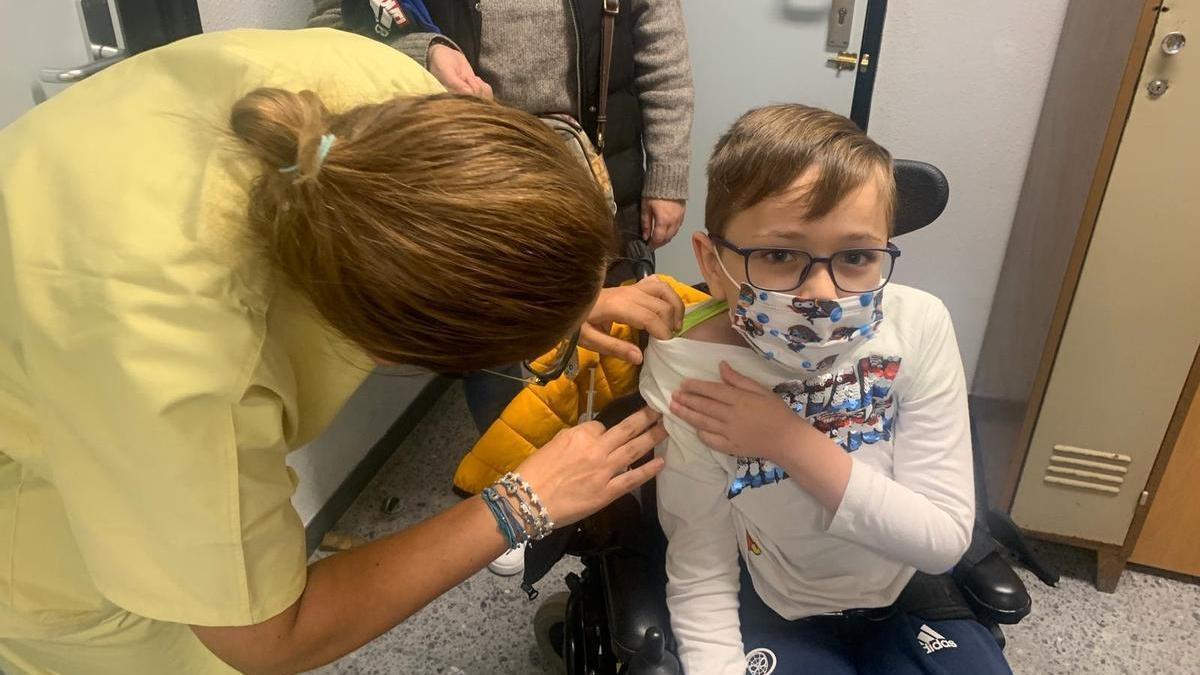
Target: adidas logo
(933,641)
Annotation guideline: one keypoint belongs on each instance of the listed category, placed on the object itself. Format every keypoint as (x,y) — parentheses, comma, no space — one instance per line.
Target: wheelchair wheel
(549,626)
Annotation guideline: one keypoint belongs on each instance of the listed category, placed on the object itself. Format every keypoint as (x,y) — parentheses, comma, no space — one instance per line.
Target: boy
(831,460)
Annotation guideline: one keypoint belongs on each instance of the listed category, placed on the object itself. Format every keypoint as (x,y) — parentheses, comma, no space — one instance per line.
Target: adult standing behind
(545,56)
(277,212)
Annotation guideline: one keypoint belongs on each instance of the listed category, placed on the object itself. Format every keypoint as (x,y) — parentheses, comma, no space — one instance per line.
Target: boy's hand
(453,70)
(661,219)
(740,417)
(650,305)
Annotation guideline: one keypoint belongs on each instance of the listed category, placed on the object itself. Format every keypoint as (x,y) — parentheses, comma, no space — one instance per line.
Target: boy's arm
(921,517)
(663,74)
(702,554)
(702,571)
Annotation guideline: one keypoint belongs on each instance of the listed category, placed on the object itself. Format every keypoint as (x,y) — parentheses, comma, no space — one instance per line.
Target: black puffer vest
(461,21)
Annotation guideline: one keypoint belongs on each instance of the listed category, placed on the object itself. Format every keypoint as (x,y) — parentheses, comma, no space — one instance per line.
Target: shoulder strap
(607,27)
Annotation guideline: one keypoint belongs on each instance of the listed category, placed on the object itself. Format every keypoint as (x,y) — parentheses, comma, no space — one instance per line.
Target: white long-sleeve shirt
(897,403)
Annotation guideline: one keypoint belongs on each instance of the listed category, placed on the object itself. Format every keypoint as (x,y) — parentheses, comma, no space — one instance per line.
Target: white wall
(323,464)
(961,85)
(35,35)
(226,14)
(46,34)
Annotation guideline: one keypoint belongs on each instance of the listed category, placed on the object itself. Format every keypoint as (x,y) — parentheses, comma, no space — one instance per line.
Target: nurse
(203,251)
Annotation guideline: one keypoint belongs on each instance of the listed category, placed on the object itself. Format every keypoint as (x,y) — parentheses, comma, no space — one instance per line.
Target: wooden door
(1168,539)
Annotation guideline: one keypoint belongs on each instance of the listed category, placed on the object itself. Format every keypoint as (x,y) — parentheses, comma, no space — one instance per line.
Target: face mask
(800,334)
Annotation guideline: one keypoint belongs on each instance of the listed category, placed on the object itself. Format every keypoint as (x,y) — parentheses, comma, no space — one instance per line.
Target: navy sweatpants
(894,643)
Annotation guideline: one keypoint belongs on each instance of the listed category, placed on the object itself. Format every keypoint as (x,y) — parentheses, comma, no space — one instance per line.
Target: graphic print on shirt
(852,406)
(752,545)
(754,472)
(388,15)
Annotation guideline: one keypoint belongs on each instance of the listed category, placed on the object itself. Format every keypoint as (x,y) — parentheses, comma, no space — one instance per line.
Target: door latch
(849,61)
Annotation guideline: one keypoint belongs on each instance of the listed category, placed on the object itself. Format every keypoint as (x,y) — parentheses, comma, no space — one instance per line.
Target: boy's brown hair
(443,231)
(766,149)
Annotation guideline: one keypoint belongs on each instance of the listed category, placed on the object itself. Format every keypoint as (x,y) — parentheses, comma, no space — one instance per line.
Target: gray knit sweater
(542,79)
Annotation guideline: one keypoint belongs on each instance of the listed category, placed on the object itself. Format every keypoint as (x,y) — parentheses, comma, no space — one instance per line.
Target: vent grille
(1087,469)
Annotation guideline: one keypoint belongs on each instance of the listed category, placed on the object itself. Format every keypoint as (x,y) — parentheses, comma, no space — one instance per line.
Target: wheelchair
(613,619)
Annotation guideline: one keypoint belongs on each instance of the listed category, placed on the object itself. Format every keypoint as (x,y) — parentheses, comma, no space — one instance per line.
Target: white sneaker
(509,563)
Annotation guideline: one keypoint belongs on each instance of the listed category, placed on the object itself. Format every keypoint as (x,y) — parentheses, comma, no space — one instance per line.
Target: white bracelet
(537,519)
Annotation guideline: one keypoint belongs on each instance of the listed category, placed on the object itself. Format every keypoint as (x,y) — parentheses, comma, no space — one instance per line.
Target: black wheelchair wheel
(549,627)
(587,644)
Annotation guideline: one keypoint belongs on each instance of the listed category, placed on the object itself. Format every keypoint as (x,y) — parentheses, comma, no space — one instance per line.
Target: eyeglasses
(855,270)
(562,359)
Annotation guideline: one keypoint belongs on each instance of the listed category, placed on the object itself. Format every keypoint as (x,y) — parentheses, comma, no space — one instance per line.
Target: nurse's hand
(650,305)
(586,467)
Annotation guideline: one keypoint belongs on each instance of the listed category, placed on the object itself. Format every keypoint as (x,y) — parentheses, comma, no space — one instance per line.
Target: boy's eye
(859,258)
(776,256)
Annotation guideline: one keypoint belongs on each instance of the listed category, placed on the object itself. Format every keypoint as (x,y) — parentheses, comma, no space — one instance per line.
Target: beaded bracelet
(533,512)
(506,521)
(537,523)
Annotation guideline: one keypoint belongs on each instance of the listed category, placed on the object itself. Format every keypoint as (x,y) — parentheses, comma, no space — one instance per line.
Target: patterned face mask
(801,334)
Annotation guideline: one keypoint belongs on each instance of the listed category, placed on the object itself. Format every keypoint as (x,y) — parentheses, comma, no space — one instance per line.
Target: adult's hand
(453,70)
(661,220)
(584,468)
(650,305)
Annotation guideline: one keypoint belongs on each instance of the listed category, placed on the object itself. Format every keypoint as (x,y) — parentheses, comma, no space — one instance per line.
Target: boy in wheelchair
(818,481)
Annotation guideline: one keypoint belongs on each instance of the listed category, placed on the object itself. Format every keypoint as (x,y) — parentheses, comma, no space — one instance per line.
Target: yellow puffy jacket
(538,413)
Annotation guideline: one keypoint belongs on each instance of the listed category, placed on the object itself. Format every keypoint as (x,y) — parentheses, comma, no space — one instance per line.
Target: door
(1168,538)
(736,51)
(1134,324)
(46,45)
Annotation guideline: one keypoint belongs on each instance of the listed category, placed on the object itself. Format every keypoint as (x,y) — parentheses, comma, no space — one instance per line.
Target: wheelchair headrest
(922,192)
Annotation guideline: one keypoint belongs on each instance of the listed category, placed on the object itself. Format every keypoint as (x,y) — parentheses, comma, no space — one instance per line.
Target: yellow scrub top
(154,374)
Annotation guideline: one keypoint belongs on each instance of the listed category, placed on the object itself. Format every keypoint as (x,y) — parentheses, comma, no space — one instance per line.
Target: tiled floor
(484,627)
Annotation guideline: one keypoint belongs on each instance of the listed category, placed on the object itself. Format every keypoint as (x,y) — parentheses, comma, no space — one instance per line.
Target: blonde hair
(768,148)
(442,231)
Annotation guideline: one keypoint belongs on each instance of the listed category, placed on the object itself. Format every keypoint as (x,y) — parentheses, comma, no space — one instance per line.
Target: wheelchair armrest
(635,592)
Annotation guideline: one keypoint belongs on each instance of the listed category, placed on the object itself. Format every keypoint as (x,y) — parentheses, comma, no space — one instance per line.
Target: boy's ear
(706,258)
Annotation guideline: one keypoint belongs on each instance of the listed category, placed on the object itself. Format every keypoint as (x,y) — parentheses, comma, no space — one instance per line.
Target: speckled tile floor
(484,627)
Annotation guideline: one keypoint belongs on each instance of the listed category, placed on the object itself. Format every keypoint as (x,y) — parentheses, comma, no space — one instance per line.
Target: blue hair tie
(327,141)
